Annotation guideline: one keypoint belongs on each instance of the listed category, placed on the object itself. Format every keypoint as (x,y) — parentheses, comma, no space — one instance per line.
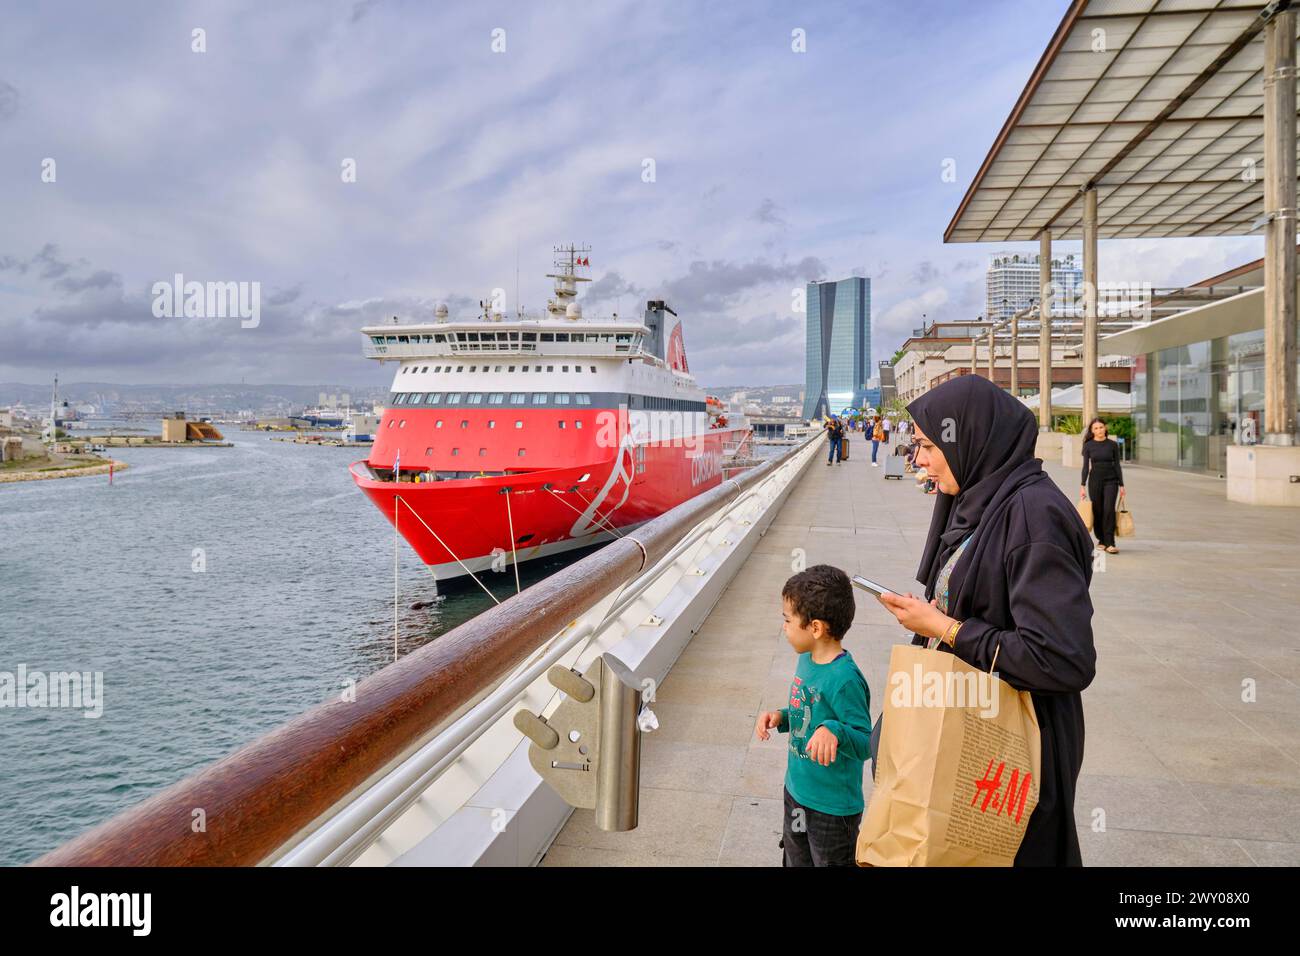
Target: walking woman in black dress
(1006,568)
(1102,481)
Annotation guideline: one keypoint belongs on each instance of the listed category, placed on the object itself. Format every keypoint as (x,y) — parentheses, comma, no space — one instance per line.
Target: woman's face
(1098,431)
(930,457)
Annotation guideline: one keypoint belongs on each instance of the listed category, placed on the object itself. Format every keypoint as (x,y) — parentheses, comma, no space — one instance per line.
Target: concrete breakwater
(63,472)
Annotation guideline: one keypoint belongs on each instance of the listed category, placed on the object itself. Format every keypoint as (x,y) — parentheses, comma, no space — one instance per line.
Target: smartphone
(872,586)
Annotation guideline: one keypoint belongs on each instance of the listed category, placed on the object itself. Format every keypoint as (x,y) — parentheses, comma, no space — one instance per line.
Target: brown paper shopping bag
(958,768)
(1124,521)
(1085,512)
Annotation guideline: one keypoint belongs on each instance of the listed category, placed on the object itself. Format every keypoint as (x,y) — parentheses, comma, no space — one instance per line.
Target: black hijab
(987,437)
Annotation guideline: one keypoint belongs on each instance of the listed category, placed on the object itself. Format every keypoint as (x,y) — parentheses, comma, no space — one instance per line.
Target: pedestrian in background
(1102,481)
(835,429)
(877,436)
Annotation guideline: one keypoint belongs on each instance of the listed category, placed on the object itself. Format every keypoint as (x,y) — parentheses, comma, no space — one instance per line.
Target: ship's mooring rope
(599,518)
(514,556)
(397,498)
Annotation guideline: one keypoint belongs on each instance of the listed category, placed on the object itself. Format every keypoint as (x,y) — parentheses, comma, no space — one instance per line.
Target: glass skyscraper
(839,345)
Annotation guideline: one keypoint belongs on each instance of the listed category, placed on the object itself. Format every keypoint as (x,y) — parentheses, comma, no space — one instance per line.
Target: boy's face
(802,636)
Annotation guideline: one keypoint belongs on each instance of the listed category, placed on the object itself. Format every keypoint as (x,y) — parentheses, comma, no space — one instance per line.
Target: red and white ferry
(508,439)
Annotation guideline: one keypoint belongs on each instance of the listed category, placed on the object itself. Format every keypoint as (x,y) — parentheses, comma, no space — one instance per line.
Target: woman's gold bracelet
(950,635)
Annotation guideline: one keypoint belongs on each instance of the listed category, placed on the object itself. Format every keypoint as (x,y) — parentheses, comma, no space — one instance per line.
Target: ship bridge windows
(540,398)
(518,398)
(435,398)
(562,398)
(548,337)
(423,370)
(453,398)
(377,339)
(415,398)
(440,337)
(584,398)
(473,368)
(496,398)
(550,369)
(564,368)
(530,336)
(475,398)
(401,398)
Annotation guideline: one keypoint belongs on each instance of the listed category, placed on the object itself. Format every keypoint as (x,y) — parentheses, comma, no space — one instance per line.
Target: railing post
(589,749)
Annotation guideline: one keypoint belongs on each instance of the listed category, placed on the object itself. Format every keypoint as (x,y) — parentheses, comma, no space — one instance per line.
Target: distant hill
(189,398)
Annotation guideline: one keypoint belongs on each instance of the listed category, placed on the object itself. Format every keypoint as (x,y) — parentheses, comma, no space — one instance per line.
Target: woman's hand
(916,615)
(1121,491)
(1083,492)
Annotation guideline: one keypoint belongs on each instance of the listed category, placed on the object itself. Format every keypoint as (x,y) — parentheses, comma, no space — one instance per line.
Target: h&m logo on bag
(1009,801)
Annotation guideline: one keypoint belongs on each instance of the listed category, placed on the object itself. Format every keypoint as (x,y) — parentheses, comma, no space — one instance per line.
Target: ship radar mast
(568,259)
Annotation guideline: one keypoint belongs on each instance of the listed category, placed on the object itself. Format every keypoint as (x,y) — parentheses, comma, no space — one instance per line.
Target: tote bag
(1124,521)
(957,766)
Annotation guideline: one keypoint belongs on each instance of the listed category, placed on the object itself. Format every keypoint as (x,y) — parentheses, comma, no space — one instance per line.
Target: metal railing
(326,774)
(467,350)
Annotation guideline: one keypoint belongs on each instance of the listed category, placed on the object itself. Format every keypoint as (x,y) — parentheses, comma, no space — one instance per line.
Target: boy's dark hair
(822,593)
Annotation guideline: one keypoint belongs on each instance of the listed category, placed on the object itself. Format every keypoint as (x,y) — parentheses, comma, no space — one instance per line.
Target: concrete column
(1045,331)
(1015,335)
(1280,237)
(1089,305)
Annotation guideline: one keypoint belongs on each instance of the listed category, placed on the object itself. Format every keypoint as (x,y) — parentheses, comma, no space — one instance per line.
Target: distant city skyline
(364,160)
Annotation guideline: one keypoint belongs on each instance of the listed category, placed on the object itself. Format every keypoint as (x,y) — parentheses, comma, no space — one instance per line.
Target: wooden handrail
(247,805)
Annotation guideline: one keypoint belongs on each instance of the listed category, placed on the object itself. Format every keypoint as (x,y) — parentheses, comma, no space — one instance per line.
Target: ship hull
(471,525)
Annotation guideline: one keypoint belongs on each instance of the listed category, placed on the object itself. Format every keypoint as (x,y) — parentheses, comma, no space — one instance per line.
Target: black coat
(1021,589)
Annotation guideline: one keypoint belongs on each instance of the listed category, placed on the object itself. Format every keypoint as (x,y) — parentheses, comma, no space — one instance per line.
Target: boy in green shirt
(828,719)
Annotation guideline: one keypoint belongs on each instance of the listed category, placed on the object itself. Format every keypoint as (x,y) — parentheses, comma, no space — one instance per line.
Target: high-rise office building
(839,345)
(1012,284)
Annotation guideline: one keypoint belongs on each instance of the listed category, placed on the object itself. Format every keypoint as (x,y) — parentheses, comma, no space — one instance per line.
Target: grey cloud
(926,273)
(769,213)
(707,286)
(8,100)
(284,296)
(100,279)
(361,8)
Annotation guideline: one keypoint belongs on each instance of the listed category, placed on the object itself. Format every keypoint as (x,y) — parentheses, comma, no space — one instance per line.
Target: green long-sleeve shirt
(834,696)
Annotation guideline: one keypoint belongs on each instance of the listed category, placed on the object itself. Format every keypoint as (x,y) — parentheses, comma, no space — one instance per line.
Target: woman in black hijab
(1007,565)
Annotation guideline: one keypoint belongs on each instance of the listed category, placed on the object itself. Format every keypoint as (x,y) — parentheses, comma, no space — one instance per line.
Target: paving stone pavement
(1181,765)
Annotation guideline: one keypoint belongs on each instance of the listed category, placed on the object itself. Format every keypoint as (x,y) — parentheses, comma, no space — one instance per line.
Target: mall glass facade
(1191,402)
(838,345)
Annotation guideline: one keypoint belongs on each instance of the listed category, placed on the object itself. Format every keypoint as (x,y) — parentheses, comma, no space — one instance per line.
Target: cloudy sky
(483,133)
